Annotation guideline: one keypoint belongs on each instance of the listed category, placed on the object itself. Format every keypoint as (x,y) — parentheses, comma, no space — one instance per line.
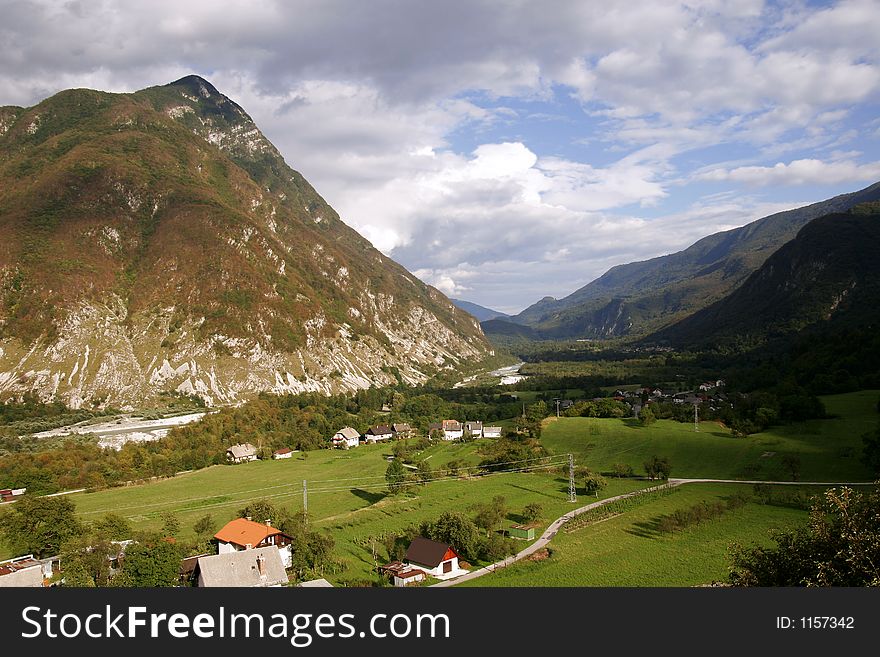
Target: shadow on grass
(368,496)
(646,528)
(539,492)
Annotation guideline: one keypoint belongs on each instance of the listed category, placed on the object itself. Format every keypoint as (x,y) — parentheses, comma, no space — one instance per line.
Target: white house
(283,453)
(346,438)
(436,559)
(402,574)
(473,429)
(245,534)
(377,433)
(241,452)
(257,567)
(452,430)
(491,432)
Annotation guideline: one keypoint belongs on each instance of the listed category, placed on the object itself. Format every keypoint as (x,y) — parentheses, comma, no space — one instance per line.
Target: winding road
(556,525)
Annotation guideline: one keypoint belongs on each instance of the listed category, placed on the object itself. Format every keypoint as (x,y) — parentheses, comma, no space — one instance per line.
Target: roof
(451,425)
(498,429)
(242,568)
(188,565)
(435,425)
(349,433)
(242,450)
(283,450)
(477,424)
(379,430)
(413,572)
(244,532)
(315,584)
(427,553)
(17,564)
(401,426)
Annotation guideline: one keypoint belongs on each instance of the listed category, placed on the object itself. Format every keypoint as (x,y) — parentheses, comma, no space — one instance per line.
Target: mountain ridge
(158,243)
(641,297)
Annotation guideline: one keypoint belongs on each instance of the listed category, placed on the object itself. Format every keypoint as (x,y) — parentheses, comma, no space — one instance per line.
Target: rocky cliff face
(157,243)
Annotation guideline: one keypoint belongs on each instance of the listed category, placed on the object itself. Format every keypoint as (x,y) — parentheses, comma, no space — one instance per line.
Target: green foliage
(840,546)
(622,470)
(532,512)
(263,510)
(681,519)
(205,526)
(458,531)
(657,467)
(871,450)
(170,524)
(646,416)
(150,563)
(490,515)
(39,525)
(395,476)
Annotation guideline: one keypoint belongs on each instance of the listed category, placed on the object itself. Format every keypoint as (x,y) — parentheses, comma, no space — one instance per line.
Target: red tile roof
(244,532)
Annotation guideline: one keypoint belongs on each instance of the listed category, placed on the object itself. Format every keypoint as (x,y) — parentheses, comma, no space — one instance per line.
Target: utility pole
(572,496)
(696,418)
(557,408)
(305,496)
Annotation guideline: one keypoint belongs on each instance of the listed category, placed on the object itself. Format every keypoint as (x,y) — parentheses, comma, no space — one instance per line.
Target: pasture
(629,549)
(828,449)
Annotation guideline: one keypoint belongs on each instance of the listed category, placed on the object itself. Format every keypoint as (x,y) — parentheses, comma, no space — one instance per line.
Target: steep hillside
(158,242)
(828,276)
(639,297)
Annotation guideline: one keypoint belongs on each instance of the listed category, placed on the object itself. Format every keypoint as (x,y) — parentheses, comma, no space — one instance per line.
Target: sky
(506,150)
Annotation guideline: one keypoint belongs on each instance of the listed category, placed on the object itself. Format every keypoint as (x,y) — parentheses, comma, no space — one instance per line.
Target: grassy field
(346,496)
(628,550)
(828,449)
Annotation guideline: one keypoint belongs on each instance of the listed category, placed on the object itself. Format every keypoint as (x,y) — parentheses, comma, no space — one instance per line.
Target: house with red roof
(245,534)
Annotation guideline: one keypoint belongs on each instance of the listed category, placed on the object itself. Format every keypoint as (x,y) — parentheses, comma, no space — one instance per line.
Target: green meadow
(828,449)
(629,550)
(347,496)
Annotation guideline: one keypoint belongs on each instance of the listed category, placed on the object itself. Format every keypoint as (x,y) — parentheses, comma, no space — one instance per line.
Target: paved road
(554,527)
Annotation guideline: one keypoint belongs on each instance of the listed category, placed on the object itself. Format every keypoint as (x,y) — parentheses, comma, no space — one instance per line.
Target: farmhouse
(283,453)
(346,438)
(245,534)
(401,430)
(241,452)
(257,567)
(377,433)
(473,429)
(452,429)
(491,432)
(8,493)
(436,559)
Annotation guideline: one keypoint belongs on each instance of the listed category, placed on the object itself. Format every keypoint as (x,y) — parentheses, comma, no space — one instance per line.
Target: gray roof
(349,433)
(241,568)
(242,450)
(315,584)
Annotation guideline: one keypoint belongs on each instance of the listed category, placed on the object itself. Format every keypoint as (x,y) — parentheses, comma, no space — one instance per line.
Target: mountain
(640,297)
(827,276)
(156,243)
(480,312)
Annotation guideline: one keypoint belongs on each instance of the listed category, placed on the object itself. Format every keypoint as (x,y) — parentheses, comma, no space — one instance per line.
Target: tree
(151,562)
(205,525)
(491,515)
(40,525)
(658,468)
(532,512)
(424,472)
(622,470)
(646,416)
(263,510)
(871,450)
(456,530)
(839,546)
(792,463)
(395,475)
(170,524)
(112,527)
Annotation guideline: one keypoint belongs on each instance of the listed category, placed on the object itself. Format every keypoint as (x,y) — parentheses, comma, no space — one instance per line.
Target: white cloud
(798,172)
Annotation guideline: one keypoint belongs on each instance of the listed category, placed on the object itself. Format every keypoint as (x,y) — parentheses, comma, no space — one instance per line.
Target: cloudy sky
(506,150)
